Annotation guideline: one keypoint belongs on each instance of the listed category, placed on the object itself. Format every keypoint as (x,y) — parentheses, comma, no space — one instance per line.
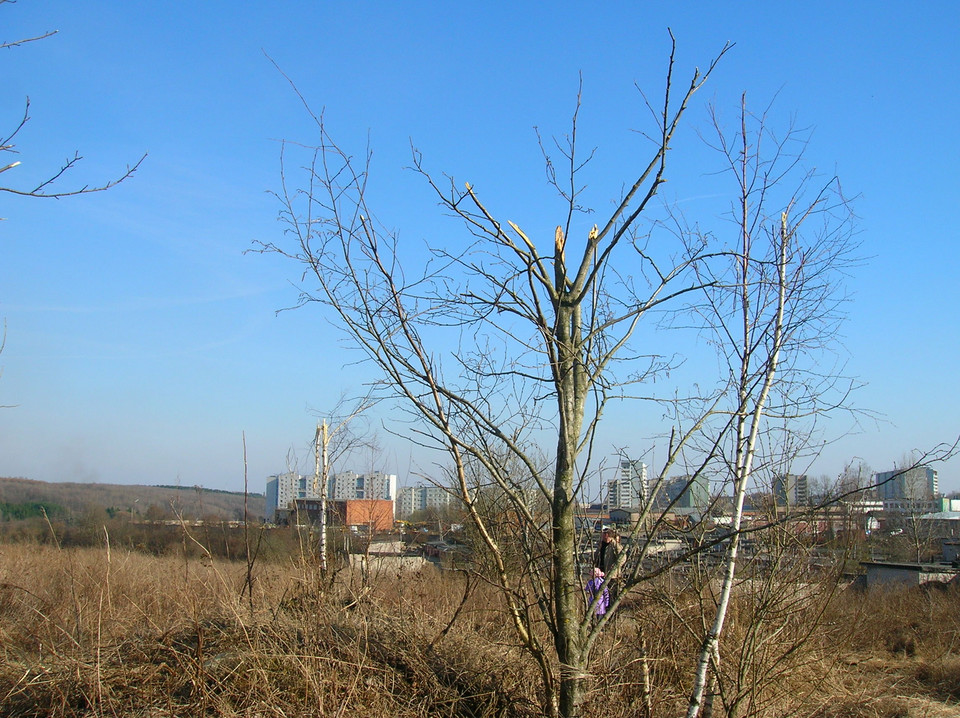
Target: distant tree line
(189,502)
(30,509)
(206,490)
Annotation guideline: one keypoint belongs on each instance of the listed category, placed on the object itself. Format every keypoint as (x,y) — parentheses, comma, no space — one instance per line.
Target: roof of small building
(920,567)
(942,516)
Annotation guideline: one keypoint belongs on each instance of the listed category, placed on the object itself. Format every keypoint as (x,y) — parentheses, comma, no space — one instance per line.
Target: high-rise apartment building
(419,498)
(685,494)
(628,490)
(284,489)
(919,483)
(791,489)
(348,485)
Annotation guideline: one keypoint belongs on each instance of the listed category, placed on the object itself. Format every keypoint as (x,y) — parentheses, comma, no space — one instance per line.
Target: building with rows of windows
(411,499)
(628,489)
(283,490)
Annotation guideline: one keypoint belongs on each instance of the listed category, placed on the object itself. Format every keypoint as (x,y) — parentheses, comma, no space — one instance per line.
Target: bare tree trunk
(248,551)
(572,386)
(321,478)
(569,638)
(749,419)
(710,696)
(646,676)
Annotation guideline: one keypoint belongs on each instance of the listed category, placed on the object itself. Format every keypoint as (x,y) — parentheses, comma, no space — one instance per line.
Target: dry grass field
(107,632)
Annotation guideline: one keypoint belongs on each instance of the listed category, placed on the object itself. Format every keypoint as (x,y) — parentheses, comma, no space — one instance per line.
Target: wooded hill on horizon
(140,502)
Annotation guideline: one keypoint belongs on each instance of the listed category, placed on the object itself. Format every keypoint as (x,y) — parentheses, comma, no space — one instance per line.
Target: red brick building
(367,516)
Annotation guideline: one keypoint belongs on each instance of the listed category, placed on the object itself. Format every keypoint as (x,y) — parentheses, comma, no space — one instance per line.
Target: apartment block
(687,493)
(791,489)
(919,483)
(629,488)
(283,489)
(349,485)
(411,499)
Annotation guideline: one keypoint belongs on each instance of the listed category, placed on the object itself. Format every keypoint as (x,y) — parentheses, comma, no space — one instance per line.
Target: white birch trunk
(748,429)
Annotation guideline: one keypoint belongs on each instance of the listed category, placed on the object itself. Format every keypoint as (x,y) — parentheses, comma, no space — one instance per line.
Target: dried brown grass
(95,632)
(88,632)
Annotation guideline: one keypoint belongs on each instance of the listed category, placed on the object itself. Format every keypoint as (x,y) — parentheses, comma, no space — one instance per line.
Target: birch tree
(771,309)
(333,441)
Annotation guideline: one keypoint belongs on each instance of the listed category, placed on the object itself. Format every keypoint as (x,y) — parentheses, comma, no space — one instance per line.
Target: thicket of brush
(112,632)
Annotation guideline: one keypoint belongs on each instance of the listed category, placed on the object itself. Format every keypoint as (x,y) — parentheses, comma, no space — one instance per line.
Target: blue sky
(142,343)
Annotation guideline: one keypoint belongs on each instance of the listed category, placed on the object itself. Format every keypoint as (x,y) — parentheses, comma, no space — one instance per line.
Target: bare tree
(552,341)
(769,308)
(48,187)
(549,329)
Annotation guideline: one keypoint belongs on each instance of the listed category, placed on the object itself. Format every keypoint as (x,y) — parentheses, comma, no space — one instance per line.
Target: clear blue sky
(142,342)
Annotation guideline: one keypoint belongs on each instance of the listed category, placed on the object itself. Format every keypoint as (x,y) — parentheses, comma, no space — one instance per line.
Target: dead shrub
(883,707)
(942,676)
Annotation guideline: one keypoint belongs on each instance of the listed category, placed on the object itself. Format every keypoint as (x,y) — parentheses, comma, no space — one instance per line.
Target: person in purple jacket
(595,586)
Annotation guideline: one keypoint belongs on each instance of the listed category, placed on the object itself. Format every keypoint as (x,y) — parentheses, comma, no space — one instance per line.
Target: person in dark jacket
(606,557)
